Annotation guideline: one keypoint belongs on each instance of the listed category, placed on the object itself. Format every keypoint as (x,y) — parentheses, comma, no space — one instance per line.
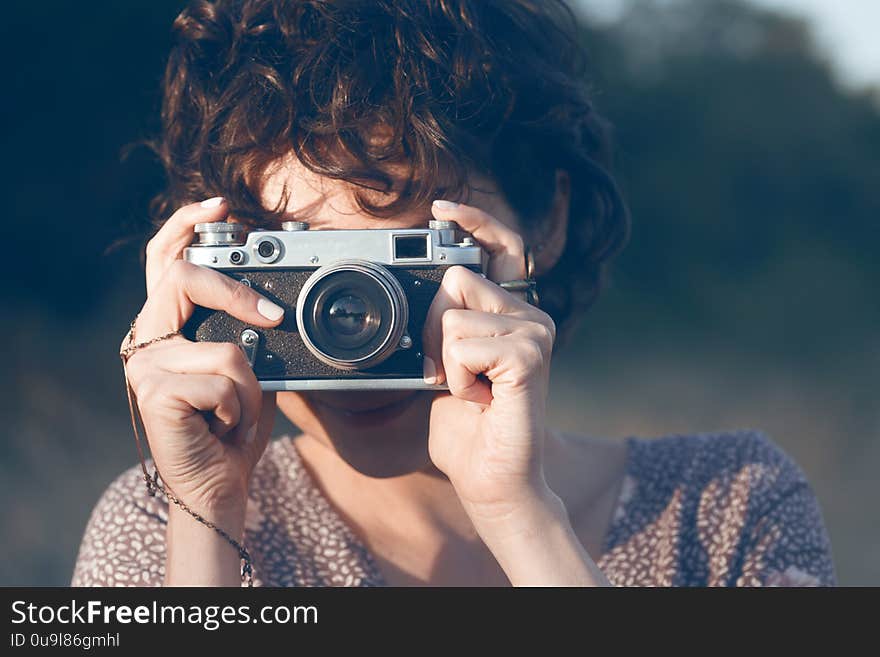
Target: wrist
(214,502)
(536,545)
(536,508)
(198,555)
(228,515)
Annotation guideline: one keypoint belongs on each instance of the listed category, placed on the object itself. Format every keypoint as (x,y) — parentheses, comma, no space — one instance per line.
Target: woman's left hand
(493,350)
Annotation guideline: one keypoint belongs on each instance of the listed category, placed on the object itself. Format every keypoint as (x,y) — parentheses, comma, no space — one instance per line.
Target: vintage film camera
(355,300)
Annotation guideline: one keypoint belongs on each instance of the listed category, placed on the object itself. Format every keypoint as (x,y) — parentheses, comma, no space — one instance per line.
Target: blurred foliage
(746,297)
(754,180)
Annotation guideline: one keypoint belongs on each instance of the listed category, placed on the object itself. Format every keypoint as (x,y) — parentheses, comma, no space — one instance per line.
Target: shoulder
(124,539)
(126,501)
(734,504)
(745,458)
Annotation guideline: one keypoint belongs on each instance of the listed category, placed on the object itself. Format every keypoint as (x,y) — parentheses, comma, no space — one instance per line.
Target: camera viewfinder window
(407,247)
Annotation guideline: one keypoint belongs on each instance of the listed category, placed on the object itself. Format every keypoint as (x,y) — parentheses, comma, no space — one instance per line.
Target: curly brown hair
(494,87)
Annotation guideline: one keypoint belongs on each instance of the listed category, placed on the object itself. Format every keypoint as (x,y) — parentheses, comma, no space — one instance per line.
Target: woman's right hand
(206,419)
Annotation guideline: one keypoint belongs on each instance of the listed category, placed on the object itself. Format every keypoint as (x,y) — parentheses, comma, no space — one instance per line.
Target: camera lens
(351,314)
(266,249)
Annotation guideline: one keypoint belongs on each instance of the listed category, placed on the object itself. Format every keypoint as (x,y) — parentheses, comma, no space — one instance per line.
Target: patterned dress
(729,509)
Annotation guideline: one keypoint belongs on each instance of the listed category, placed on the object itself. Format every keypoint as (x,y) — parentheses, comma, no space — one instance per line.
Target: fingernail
(251,435)
(212,202)
(429,370)
(269,310)
(445,205)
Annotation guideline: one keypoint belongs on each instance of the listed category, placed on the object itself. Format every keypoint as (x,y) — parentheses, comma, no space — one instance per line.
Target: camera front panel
(280,354)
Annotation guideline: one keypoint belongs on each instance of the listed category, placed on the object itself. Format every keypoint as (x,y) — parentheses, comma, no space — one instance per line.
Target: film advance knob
(442,224)
(219,233)
(293,226)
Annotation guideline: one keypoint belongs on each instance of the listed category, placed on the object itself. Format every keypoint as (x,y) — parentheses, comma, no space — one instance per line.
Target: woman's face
(379,433)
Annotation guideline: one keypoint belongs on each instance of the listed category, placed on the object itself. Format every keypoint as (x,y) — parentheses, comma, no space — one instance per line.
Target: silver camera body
(355,301)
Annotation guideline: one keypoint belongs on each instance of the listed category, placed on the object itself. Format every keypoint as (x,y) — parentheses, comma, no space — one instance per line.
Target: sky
(847,30)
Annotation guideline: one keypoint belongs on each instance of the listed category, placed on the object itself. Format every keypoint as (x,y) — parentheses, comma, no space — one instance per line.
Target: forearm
(537,546)
(197,555)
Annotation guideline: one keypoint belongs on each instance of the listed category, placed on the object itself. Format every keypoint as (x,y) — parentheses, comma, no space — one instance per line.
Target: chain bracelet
(153,483)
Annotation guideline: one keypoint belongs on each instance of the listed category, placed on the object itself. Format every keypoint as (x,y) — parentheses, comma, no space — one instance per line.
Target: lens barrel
(351,314)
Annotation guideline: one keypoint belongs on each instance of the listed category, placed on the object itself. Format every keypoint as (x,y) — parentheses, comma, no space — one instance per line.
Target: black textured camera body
(281,353)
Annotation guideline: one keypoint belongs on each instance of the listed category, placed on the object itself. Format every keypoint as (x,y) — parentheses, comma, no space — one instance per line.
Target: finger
(224,358)
(459,324)
(503,244)
(264,425)
(482,370)
(176,234)
(185,286)
(463,288)
(191,394)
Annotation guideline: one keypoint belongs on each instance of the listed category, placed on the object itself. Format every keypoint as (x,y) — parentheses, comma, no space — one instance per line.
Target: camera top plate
(299,247)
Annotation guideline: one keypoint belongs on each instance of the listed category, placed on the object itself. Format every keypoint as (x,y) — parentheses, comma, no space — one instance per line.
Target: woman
(359,115)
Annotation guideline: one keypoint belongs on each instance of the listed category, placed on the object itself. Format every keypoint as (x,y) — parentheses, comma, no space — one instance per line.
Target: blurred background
(748,145)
